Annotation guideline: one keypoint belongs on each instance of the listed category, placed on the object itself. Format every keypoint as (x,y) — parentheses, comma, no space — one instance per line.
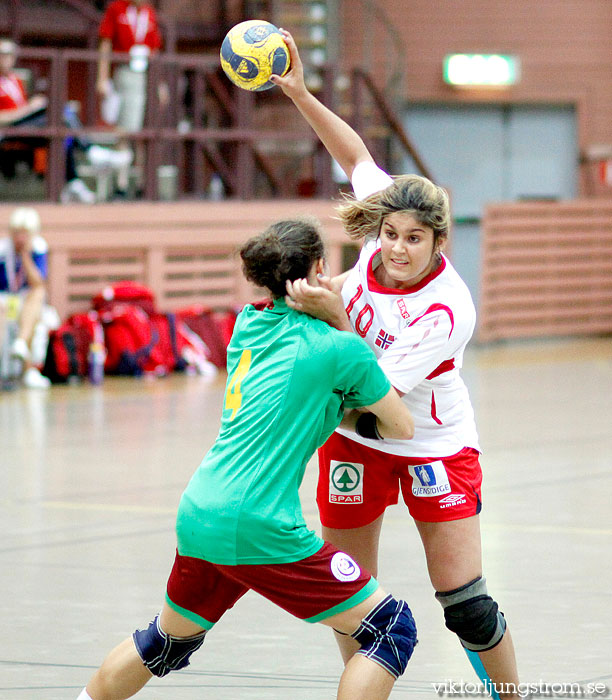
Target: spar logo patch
(345,482)
(344,568)
(429,479)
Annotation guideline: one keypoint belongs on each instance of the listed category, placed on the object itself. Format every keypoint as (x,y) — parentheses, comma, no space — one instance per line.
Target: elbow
(401,430)
(407,426)
(408,430)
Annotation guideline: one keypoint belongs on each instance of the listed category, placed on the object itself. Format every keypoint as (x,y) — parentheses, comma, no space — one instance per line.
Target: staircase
(314,26)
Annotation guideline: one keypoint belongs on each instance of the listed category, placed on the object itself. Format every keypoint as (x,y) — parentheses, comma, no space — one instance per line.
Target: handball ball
(251,52)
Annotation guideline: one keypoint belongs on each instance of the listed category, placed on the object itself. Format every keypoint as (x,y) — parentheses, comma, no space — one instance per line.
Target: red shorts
(312,589)
(357,483)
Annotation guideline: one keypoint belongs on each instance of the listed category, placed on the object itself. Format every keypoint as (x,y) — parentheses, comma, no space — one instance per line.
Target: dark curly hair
(286,250)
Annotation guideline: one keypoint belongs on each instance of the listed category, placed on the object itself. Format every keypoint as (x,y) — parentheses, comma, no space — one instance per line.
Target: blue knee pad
(161,652)
(387,635)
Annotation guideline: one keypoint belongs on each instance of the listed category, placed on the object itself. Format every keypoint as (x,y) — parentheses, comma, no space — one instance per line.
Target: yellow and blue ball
(251,52)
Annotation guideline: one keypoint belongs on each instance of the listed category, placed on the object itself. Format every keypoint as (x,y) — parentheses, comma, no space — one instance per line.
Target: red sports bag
(68,349)
(215,334)
(131,341)
(126,292)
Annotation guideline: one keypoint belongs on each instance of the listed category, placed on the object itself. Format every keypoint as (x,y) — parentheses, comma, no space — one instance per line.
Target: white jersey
(419,335)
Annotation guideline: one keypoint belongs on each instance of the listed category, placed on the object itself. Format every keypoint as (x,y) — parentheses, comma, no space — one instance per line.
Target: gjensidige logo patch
(429,479)
(344,568)
(345,482)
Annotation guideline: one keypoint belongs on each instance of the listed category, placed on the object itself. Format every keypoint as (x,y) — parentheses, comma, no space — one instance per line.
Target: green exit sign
(481,70)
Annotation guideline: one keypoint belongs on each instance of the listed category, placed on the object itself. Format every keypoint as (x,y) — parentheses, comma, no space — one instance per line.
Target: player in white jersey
(406,300)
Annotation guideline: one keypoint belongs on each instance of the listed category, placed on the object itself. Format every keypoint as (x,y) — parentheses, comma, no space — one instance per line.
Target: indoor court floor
(91,477)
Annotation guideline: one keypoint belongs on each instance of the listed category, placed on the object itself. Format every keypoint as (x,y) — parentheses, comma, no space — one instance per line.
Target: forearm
(7,116)
(341,141)
(393,418)
(104,61)
(10,116)
(33,276)
(340,321)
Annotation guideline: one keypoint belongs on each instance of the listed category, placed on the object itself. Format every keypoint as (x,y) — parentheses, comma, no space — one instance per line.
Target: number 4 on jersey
(233,395)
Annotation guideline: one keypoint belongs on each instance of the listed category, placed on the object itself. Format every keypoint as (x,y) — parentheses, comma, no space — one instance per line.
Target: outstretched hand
(320,301)
(292,83)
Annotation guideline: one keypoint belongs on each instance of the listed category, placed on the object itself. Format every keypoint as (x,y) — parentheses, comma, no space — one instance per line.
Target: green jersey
(290,377)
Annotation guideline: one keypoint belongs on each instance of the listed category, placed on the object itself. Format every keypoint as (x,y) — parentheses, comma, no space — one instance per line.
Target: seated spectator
(17,109)
(23,271)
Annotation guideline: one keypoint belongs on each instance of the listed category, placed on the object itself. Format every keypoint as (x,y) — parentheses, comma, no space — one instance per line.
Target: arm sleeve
(368,178)
(421,348)
(360,378)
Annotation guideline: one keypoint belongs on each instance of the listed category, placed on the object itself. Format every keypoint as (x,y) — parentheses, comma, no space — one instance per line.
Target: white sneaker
(77,191)
(20,349)
(109,158)
(33,379)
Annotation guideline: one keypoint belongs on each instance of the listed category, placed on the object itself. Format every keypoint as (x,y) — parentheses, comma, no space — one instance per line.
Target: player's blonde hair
(412,194)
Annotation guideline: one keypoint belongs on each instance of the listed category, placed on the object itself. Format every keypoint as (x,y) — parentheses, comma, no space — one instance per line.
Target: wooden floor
(90,480)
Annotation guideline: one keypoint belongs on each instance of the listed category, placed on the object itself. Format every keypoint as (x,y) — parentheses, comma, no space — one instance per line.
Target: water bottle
(96,357)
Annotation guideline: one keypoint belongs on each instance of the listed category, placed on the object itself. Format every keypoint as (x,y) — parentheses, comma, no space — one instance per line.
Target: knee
(471,613)
(388,635)
(161,652)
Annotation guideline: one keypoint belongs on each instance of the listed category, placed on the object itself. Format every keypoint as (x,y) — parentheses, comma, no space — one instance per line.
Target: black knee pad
(473,615)
(161,652)
(387,635)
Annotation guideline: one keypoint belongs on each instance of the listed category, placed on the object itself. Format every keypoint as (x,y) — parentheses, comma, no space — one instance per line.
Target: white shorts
(132,89)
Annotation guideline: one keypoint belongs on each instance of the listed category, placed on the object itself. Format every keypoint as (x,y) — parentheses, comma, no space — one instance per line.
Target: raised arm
(341,140)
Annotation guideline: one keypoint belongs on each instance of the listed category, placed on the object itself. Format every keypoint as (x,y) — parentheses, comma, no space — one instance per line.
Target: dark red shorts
(312,589)
(357,483)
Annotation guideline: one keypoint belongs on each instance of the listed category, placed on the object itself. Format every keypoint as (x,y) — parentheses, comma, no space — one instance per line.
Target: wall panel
(564,46)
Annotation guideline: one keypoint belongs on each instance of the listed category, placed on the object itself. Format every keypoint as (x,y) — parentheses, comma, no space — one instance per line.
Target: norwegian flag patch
(384,339)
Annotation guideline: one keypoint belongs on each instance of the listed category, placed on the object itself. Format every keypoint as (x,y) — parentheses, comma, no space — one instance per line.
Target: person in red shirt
(128,26)
(14,102)
(17,109)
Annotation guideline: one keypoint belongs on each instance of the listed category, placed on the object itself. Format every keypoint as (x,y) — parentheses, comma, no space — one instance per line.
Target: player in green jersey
(292,379)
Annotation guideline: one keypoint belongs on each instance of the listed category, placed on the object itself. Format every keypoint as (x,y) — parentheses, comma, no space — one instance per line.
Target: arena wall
(186,252)
(563,45)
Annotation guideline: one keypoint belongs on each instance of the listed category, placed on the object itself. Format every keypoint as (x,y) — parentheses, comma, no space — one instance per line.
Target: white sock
(84,695)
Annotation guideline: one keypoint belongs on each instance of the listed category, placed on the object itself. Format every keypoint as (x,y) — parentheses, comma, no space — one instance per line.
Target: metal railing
(196,143)
(362,83)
